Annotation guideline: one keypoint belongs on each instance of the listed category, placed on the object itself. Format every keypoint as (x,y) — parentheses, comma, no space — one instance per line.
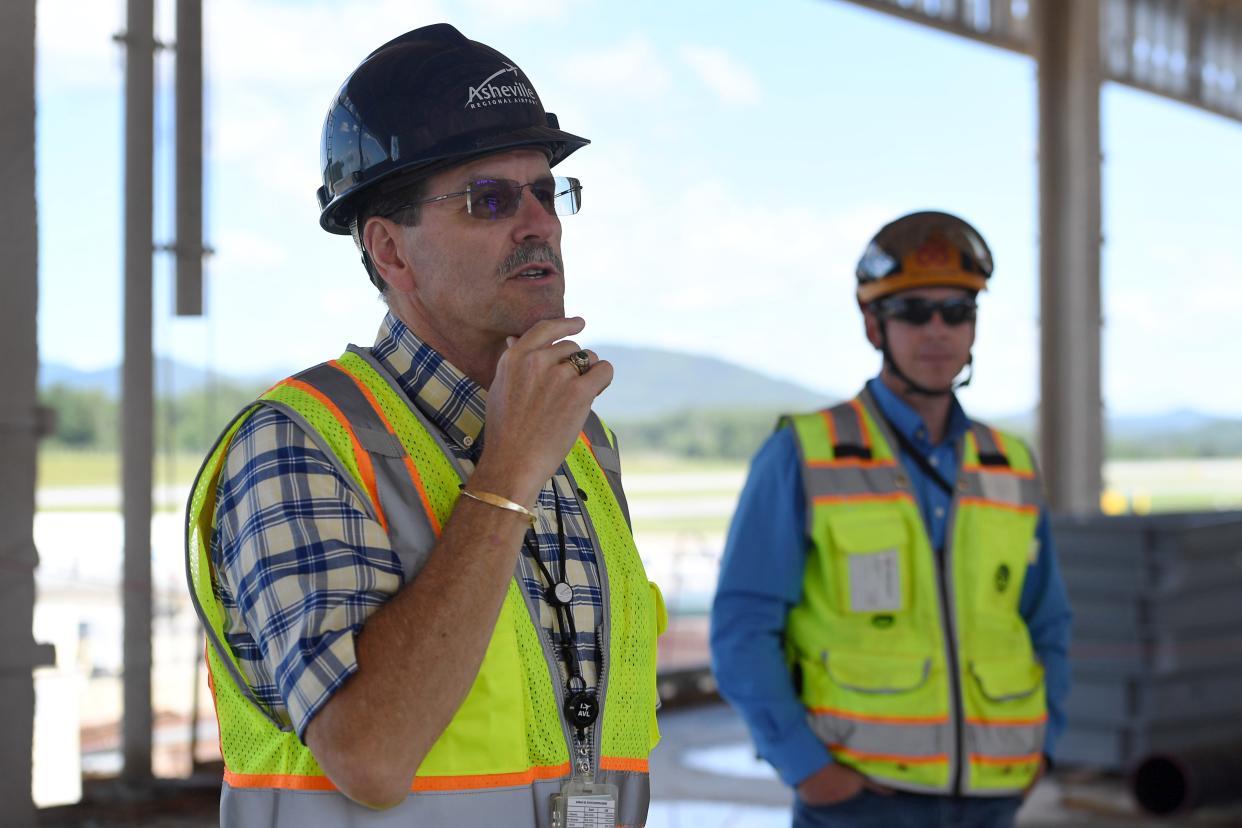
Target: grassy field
(67,469)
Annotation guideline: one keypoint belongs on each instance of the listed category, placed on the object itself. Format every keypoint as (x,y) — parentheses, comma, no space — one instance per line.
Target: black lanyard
(917,456)
(581,703)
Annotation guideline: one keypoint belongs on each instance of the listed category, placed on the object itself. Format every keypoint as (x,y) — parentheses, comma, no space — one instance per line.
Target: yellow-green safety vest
(507,749)
(916,667)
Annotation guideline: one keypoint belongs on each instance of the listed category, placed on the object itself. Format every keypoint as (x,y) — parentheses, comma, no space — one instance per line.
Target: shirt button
(935,461)
(467,441)
(939,512)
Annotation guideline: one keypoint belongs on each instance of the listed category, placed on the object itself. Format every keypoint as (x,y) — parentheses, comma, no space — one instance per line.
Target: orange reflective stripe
(850,461)
(869,717)
(1034,720)
(409,462)
(488,780)
(832,429)
(864,498)
(934,759)
(360,456)
(980,759)
(1026,475)
(287,781)
(1025,509)
(622,763)
(421,783)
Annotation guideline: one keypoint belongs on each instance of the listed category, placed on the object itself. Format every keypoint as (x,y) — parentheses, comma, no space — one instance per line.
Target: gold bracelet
(499,502)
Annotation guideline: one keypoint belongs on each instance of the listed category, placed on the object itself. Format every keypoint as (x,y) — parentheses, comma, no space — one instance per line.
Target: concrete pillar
(137,391)
(18,409)
(1067,47)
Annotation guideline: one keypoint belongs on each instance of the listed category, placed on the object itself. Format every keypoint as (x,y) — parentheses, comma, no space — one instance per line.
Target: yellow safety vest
(916,668)
(507,749)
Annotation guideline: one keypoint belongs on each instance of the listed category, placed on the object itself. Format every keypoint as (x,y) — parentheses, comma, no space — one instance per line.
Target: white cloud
(75,46)
(630,68)
(507,11)
(732,82)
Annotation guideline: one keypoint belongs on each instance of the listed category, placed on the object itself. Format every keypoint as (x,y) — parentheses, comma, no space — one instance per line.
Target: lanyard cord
(917,456)
(562,608)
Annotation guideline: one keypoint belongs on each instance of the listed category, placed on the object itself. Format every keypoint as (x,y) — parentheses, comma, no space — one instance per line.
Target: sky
(742,155)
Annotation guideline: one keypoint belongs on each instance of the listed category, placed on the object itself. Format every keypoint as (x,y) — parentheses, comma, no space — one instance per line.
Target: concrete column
(1067,47)
(137,391)
(18,418)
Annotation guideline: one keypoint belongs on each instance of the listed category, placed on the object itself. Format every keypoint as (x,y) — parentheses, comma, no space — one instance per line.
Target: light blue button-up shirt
(761,580)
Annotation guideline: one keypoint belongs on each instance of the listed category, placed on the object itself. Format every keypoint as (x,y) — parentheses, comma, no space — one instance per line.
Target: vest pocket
(876,674)
(872,561)
(1006,680)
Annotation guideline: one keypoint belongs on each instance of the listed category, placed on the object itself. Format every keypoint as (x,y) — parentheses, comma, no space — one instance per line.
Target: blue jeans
(906,810)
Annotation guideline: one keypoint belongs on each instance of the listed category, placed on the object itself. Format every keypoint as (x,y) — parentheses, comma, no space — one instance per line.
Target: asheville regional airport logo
(507,91)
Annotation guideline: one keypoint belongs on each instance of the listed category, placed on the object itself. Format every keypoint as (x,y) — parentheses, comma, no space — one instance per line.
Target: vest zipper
(955,681)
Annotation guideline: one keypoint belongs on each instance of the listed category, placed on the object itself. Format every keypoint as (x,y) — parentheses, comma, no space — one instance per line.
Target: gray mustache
(527,254)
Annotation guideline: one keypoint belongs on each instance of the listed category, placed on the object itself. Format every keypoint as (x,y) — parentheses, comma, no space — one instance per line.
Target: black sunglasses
(490,199)
(916,310)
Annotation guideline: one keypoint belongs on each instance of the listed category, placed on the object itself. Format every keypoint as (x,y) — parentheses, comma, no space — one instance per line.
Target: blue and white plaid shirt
(301,566)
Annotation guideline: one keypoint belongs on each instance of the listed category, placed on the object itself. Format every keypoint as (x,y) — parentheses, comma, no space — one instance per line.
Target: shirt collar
(448,398)
(906,420)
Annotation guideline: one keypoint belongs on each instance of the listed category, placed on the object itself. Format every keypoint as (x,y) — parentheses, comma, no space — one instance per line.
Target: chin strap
(356,232)
(913,387)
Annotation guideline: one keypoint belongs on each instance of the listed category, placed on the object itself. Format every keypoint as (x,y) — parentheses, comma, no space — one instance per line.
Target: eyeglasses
(916,310)
(491,199)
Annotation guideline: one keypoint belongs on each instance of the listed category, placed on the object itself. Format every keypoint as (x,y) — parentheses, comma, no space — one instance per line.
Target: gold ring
(581,361)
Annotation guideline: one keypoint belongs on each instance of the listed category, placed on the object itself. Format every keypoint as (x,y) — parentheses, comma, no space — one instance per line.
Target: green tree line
(89,420)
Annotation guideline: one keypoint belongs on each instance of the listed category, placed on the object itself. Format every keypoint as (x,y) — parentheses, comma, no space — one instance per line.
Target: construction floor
(704,775)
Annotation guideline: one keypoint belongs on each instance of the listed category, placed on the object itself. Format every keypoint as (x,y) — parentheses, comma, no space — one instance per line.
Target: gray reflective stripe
(1004,741)
(609,459)
(409,529)
(436,435)
(985,442)
(515,807)
(847,426)
(845,481)
(881,738)
(511,807)
(1001,486)
(634,792)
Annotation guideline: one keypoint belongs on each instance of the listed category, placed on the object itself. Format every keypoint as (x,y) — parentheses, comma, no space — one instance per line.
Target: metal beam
(189,158)
(137,393)
(1189,51)
(18,420)
(1067,39)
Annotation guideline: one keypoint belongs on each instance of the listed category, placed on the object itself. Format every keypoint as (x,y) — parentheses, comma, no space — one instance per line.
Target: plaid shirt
(301,565)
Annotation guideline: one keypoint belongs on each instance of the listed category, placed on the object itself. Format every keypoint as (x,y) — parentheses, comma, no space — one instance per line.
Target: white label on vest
(599,811)
(875,581)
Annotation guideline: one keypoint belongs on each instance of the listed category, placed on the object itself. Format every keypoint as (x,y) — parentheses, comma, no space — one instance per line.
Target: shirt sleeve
(301,565)
(760,580)
(1045,608)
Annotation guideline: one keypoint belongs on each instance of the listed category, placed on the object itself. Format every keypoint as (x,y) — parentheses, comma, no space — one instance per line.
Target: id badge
(583,804)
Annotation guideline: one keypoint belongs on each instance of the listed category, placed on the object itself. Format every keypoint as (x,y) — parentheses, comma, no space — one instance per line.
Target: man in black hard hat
(414,562)
(890,619)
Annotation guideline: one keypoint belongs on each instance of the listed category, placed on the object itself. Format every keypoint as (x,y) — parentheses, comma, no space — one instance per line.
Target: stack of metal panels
(1157,653)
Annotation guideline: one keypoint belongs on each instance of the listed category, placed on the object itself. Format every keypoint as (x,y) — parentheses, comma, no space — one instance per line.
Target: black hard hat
(924,249)
(427,100)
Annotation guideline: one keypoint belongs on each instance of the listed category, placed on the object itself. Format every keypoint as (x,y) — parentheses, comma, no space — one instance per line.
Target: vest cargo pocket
(877,674)
(1008,679)
(872,571)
